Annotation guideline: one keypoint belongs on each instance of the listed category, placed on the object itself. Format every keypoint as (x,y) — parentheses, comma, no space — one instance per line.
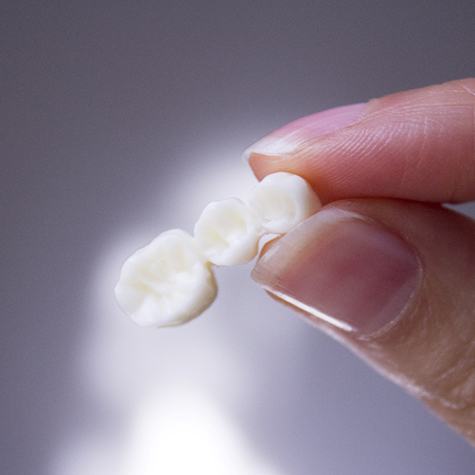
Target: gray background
(121,119)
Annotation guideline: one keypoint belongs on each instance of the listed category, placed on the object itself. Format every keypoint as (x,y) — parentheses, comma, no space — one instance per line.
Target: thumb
(395,282)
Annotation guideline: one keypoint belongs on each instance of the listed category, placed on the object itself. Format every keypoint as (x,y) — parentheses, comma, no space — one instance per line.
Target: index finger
(416,145)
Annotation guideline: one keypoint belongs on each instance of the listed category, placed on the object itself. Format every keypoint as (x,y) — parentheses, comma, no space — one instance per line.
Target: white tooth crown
(228,232)
(167,282)
(283,200)
(170,281)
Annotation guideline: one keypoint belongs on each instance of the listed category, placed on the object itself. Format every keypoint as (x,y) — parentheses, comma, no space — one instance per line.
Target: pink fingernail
(287,139)
(342,268)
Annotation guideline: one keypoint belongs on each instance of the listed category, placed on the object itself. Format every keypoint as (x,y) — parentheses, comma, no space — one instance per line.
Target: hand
(384,267)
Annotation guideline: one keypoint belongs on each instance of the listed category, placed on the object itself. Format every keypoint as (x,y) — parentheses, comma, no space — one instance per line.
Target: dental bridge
(171,280)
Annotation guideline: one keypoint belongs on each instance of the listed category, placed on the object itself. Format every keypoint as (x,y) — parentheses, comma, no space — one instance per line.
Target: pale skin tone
(397,163)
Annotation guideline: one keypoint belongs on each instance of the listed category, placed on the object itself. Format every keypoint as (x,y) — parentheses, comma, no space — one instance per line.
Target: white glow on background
(224,179)
(184,432)
(179,431)
(120,362)
(164,389)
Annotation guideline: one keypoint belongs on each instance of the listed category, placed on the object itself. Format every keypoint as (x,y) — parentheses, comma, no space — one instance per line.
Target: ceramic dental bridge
(171,280)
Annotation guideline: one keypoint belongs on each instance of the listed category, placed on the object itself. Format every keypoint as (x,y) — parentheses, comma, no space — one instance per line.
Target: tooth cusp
(282,200)
(228,232)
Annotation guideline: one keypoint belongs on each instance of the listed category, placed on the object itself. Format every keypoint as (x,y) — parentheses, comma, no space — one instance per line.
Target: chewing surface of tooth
(167,282)
(283,200)
(228,232)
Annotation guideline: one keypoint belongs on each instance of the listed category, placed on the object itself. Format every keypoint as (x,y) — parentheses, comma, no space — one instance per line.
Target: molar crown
(167,282)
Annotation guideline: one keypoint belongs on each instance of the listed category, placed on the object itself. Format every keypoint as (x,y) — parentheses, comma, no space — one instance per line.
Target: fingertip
(415,145)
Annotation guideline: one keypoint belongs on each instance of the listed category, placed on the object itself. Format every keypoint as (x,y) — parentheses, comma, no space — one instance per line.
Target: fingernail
(286,140)
(343,268)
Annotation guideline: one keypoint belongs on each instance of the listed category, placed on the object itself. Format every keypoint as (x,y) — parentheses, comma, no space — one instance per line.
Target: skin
(396,164)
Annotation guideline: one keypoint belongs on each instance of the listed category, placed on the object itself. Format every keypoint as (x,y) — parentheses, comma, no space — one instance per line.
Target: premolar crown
(283,200)
(228,232)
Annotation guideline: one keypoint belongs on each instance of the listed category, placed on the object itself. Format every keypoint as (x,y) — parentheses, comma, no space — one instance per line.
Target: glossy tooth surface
(228,232)
(282,200)
(167,282)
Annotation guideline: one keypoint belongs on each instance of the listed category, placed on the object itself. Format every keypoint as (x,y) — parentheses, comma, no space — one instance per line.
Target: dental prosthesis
(171,281)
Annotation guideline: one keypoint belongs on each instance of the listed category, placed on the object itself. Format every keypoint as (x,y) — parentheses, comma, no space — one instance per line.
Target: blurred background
(123,119)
